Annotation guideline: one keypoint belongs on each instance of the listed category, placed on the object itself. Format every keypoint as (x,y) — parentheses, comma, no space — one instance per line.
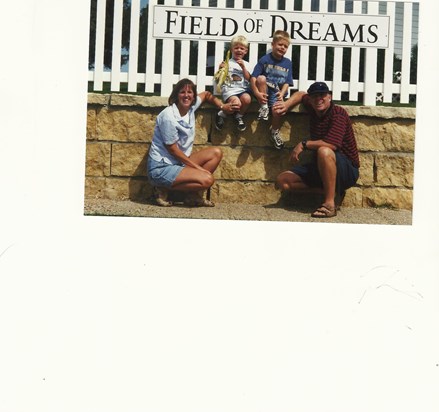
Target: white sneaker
(277,141)
(263,113)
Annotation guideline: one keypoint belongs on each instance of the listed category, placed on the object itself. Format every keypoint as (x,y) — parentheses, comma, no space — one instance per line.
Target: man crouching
(334,164)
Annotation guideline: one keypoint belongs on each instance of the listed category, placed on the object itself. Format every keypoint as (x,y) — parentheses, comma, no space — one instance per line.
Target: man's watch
(304,142)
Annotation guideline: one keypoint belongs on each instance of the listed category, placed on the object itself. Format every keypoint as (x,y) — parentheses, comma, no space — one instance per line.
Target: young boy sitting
(236,89)
(270,80)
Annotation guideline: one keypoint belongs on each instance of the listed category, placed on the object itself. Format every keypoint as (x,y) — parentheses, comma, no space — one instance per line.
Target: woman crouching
(171,163)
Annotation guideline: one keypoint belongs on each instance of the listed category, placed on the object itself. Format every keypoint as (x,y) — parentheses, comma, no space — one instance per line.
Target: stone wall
(120,128)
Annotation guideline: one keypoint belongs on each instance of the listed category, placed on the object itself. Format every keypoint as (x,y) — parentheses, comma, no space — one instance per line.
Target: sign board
(323,29)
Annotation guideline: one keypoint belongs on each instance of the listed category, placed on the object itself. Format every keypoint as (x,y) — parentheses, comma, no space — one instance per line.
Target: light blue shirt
(171,128)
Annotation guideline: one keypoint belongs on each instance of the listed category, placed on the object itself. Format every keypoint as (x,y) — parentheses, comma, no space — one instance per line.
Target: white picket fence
(402,30)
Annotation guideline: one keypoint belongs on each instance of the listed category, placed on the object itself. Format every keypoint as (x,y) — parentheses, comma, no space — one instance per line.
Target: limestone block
(94,187)
(129,159)
(252,163)
(203,125)
(394,170)
(98,158)
(91,124)
(381,112)
(367,164)
(388,197)
(98,99)
(138,101)
(244,192)
(139,189)
(117,188)
(294,128)
(127,125)
(353,197)
(379,135)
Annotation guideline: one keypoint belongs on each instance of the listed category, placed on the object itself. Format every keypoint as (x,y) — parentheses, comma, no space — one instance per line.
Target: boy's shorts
(347,173)
(272,91)
(247,91)
(162,174)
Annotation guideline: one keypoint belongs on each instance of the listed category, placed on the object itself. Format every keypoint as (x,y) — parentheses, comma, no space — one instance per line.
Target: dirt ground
(275,213)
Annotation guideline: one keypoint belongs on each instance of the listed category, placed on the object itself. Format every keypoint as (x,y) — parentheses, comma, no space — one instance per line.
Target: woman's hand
(201,169)
(230,108)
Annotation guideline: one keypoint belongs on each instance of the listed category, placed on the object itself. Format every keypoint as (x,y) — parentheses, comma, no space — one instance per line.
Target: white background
(127,314)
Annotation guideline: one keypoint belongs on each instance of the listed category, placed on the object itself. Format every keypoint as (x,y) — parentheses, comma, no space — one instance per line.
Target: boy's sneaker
(263,113)
(240,123)
(276,139)
(219,122)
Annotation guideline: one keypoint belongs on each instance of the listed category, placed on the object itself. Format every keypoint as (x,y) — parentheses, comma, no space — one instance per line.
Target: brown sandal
(324,212)
(197,200)
(161,197)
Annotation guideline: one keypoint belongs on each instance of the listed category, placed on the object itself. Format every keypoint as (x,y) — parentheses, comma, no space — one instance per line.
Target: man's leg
(326,163)
(289,181)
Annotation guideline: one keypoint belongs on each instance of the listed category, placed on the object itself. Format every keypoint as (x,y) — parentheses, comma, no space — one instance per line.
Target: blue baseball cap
(318,87)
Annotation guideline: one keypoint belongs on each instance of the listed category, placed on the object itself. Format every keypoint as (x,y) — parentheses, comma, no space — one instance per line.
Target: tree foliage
(109,25)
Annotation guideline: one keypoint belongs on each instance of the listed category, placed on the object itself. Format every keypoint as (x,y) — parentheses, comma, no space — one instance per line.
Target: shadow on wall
(139,188)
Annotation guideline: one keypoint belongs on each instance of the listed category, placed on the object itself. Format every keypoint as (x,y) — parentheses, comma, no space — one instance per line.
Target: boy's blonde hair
(281,35)
(239,39)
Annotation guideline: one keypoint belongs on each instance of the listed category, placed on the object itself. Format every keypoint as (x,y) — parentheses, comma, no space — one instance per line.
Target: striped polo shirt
(334,127)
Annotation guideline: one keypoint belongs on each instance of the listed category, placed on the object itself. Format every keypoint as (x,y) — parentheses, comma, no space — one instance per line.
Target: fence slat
(321,50)
(304,57)
(389,53)
(202,58)
(167,67)
(117,45)
(406,53)
(184,50)
(370,71)
(219,48)
(134,46)
(150,51)
(338,61)
(99,48)
(355,63)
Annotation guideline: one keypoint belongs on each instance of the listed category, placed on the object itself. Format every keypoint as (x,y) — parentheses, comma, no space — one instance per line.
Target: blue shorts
(162,174)
(347,173)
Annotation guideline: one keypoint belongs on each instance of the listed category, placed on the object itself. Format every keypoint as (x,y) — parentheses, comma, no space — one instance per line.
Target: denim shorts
(347,173)
(162,174)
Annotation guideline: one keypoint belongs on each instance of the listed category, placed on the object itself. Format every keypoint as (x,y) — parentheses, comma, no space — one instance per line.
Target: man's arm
(310,145)
(282,107)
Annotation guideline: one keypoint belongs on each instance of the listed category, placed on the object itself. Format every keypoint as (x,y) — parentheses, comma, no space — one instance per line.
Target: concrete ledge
(129,100)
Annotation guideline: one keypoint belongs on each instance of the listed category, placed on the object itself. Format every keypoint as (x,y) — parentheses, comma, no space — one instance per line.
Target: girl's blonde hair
(239,39)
